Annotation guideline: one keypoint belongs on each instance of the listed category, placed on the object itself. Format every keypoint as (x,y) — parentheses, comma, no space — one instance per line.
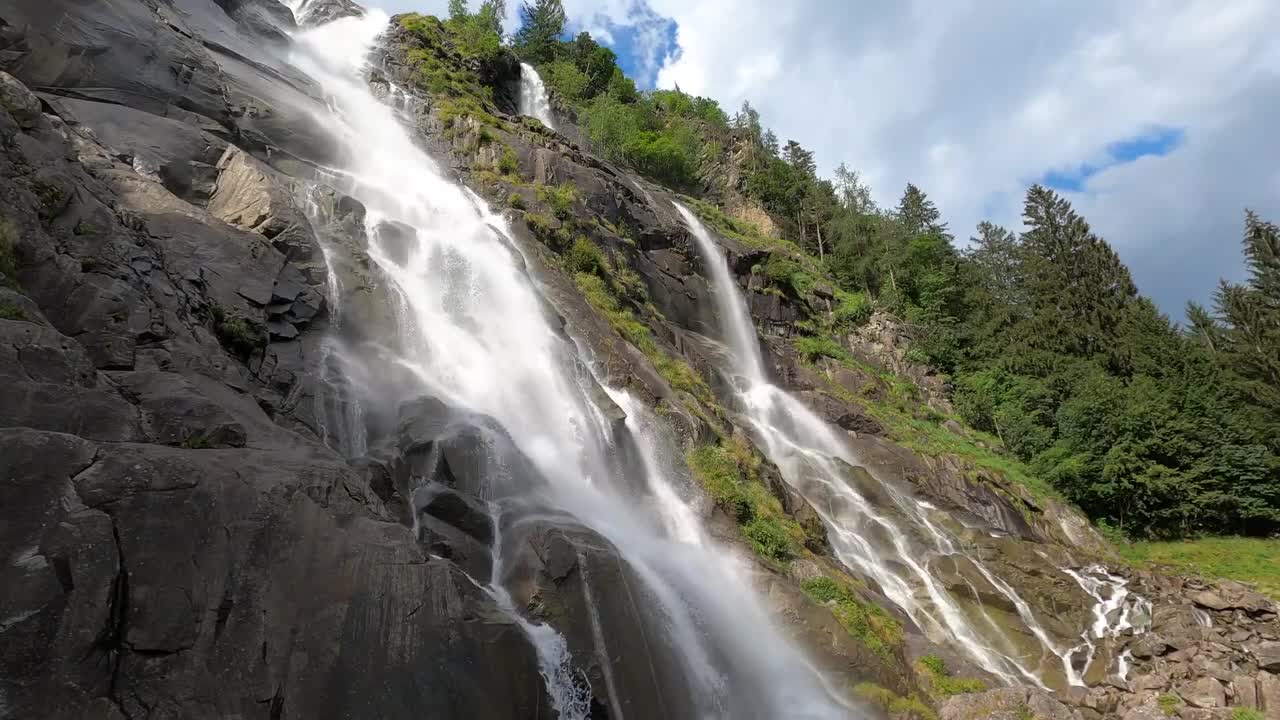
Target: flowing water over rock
(533,96)
(474,337)
(878,529)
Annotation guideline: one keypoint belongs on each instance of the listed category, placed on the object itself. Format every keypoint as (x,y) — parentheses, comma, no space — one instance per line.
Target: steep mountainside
(228,491)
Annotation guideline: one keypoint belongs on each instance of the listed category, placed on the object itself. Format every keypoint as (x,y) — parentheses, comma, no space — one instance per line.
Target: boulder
(21,103)
(311,13)
(1267,655)
(1244,692)
(1011,703)
(1269,693)
(1204,692)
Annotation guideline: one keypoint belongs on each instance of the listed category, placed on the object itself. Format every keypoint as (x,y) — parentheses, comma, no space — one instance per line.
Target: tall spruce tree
(541,23)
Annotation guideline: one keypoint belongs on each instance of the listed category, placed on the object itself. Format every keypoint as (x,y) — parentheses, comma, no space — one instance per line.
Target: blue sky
(1154,117)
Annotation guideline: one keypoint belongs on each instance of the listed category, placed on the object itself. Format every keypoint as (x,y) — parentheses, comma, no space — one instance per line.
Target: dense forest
(1153,429)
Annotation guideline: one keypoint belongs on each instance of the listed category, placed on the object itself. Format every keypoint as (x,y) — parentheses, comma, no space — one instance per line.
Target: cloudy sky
(1160,119)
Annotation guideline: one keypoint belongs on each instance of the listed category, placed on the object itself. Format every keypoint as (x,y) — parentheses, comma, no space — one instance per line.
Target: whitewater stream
(894,539)
(472,332)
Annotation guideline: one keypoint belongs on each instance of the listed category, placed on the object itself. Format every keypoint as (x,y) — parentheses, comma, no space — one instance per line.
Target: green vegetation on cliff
(730,474)
(868,622)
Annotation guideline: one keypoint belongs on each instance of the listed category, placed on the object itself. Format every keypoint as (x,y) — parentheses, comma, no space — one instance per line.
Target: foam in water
(472,332)
(890,542)
(533,96)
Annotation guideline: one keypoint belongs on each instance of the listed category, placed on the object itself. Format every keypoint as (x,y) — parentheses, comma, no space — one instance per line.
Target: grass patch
(559,198)
(1248,560)
(516,200)
(1246,714)
(729,472)
(939,681)
(508,162)
(674,370)
(871,624)
(852,310)
(906,708)
(787,274)
(1169,704)
(813,347)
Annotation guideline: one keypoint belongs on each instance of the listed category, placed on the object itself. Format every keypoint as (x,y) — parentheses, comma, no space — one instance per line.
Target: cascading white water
(867,538)
(473,333)
(533,96)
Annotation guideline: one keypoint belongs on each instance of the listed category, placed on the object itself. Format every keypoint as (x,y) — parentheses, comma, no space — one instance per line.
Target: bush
(560,197)
(516,200)
(769,539)
(718,473)
(508,162)
(566,79)
(853,310)
(585,257)
(812,348)
(904,708)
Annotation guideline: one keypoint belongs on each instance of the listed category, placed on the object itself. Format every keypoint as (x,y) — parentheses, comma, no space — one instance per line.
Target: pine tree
(457,9)
(1250,314)
(1078,288)
(541,23)
(918,214)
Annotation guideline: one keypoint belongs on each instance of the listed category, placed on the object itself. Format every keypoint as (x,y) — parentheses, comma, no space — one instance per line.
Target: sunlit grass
(1250,560)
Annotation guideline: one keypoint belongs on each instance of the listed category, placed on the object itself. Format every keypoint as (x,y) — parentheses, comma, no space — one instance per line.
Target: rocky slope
(193,527)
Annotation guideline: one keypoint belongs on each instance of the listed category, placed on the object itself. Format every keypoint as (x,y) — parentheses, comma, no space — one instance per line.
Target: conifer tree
(541,23)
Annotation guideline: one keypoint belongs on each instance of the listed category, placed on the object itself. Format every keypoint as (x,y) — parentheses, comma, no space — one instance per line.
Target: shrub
(560,197)
(769,539)
(852,310)
(585,257)
(719,474)
(508,162)
(516,200)
(812,348)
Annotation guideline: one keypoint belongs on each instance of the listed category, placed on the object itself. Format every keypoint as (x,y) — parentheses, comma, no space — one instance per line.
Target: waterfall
(472,331)
(891,541)
(533,96)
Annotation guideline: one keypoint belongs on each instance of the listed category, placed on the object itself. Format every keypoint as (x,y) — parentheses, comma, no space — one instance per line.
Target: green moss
(1248,560)
(52,197)
(719,474)
(871,624)
(1246,714)
(196,442)
(9,311)
(903,708)
(559,197)
(238,334)
(1024,713)
(939,681)
(1169,704)
(8,258)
